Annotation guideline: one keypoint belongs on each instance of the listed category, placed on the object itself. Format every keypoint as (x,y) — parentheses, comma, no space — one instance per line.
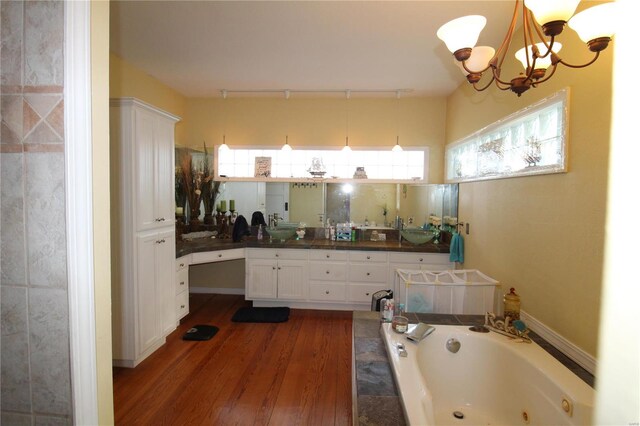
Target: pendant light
(286,147)
(397,147)
(346,147)
(224,147)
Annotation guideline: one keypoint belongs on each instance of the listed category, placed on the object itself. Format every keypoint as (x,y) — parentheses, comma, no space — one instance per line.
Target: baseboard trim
(585,360)
(218,290)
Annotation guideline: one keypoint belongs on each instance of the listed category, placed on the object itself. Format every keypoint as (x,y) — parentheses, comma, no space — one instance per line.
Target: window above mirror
(409,165)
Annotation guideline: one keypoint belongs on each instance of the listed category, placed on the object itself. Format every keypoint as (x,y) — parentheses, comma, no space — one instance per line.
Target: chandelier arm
(595,58)
(497,78)
(501,53)
(475,85)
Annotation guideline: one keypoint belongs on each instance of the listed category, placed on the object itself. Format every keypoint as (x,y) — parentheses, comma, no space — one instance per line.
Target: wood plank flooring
(292,373)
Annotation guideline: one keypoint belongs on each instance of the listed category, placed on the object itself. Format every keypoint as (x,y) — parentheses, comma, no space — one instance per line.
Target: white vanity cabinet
(182,287)
(143,220)
(417,261)
(368,273)
(276,274)
(328,272)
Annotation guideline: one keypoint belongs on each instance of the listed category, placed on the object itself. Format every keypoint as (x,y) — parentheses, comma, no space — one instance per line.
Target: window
(408,165)
(528,142)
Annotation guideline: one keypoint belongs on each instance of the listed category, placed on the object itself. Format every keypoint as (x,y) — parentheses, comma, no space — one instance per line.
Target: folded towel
(456,248)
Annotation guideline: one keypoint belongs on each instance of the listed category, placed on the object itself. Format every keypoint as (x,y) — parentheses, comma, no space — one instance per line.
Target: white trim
(585,360)
(79,211)
(218,290)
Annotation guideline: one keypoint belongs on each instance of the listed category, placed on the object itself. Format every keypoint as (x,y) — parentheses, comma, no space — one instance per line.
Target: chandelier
(594,26)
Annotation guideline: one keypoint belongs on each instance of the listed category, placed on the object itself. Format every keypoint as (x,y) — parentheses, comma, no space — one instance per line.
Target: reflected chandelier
(595,26)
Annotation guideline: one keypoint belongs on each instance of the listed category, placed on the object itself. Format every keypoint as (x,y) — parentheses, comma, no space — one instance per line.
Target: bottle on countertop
(400,323)
(386,308)
(512,305)
(260,232)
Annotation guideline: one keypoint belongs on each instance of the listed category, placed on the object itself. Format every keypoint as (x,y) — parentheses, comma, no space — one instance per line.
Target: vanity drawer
(326,291)
(278,254)
(362,293)
(439,261)
(368,256)
(217,256)
(328,255)
(368,273)
(182,280)
(328,271)
(182,305)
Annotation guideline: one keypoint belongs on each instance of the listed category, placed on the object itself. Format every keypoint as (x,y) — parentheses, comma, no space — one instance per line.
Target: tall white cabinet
(143,229)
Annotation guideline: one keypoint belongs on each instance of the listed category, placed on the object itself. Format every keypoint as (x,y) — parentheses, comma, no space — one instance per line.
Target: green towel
(456,248)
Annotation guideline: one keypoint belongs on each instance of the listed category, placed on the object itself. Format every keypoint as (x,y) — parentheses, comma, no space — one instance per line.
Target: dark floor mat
(248,314)
(200,332)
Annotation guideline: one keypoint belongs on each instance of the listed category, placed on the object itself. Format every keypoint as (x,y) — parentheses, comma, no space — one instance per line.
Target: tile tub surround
(34,342)
(377,399)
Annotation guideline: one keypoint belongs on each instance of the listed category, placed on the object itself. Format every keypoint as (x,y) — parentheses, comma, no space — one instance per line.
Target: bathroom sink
(417,235)
(281,233)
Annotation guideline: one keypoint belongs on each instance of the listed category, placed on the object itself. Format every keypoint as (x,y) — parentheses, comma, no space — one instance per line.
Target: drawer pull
(366,294)
(182,265)
(277,255)
(160,219)
(273,267)
(368,257)
(279,268)
(420,259)
(326,292)
(181,282)
(220,255)
(328,256)
(182,306)
(368,273)
(327,272)
(160,241)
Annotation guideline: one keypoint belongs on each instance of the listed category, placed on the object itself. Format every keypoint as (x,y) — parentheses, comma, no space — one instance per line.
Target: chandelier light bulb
(541,63)
(595,22)
(462,33)
(479,59)
(546,11)
(286,147)
(224,146)
(397,147)
(346,147)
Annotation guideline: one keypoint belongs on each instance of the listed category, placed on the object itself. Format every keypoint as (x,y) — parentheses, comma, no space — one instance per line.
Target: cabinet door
(165,171)
(292,279)
(146,304)
(144,170)
(261,280)
(165,281)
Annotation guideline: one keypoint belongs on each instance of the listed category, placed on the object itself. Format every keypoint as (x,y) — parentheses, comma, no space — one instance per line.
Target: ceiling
(200,48)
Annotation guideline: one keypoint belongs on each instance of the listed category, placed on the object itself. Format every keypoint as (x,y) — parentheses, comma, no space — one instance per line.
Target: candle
(232,205)
(223,205)
(179,211)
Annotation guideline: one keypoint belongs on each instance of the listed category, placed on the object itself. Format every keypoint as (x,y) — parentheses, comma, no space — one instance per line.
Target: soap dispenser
(512,305)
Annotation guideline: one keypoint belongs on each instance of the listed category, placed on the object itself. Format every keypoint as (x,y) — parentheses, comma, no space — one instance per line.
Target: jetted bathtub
(491,380)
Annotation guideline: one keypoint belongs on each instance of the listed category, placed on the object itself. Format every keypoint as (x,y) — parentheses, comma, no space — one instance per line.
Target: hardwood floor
(292,373)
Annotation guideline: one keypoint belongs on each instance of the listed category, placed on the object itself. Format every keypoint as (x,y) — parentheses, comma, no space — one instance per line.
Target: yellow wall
(544,235)
(320,122)
(128,81)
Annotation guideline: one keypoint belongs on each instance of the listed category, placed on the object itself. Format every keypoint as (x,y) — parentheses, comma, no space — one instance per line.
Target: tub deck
(375,394)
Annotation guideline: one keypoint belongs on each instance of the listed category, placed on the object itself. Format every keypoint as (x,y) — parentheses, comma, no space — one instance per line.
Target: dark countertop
(208,244)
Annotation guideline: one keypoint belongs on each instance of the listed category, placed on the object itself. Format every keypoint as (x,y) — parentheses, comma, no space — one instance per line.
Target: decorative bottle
(400,323)
(387,310)
(260,232)
(512,305)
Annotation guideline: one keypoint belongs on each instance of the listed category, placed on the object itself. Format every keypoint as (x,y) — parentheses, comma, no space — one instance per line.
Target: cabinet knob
(366,294)
(368,273)
(279,268)
(327,272)
(277,255)
(274,268)
(326,292)
(220,255)
(368,257)
(182,306)
(420,260)
(181,282)
(182,265)
(328,256)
